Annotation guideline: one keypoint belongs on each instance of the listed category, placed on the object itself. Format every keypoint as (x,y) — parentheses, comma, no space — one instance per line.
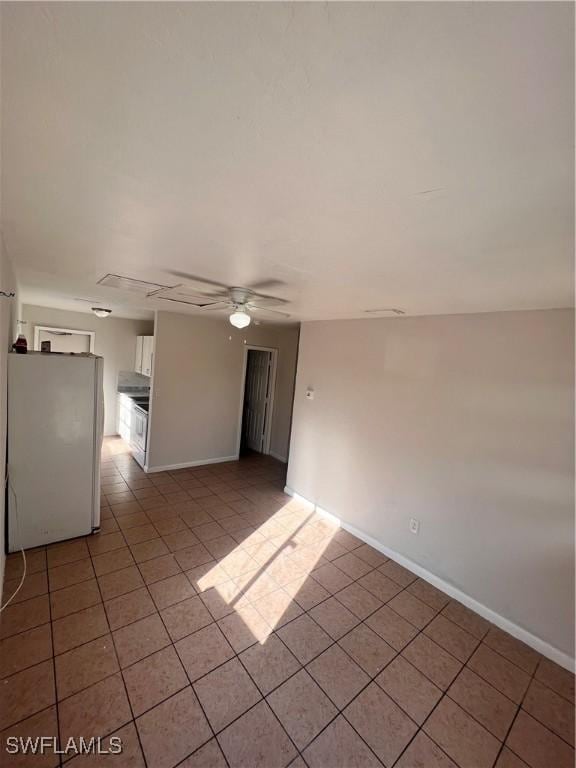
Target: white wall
(8,315)
(465,423)
(115,341)
(197,383)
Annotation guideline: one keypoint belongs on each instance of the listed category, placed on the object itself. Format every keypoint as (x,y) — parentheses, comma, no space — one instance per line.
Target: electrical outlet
(414,526)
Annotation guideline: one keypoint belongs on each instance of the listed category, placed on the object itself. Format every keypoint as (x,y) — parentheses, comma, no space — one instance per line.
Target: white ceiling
(292,141)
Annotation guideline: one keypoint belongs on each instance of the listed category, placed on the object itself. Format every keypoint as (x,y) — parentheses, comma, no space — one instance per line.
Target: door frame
(38,328)
(270,411)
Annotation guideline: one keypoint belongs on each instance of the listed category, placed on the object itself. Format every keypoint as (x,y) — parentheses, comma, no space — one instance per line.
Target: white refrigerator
(55,430)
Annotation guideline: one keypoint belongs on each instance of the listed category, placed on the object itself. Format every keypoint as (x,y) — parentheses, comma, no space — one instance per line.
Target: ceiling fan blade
(198,303)
(217,305)
(263,285)
(390,310)
(189,294)
(254,308)
(262,298)
(197,279)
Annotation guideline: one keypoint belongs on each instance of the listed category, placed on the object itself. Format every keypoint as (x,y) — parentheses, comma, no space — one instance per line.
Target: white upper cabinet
(144,355)
(138,360)
(147,355)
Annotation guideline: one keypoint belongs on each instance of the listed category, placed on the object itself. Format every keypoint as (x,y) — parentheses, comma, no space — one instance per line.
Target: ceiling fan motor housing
(240,296)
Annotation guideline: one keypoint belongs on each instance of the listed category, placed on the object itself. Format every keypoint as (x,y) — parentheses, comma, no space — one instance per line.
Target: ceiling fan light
(101,312)
(240,318)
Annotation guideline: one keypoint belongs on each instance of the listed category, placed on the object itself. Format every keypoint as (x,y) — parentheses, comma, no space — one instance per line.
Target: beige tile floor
(214,622)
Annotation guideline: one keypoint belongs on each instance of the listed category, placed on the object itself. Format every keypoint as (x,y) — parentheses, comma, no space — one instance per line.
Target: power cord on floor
(19,587)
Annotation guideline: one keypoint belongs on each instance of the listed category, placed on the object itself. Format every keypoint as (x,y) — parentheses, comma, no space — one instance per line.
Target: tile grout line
(279,587)
(119,669)
(335,642)
(464,664)
(339,711)
(372,680)
(520,709)
(57,708)
(445,693)
(262,697)
(373,568)
(399,653)
(173,646)
(360,621)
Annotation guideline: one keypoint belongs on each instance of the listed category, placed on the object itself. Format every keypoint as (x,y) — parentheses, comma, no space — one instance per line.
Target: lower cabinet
(124,417)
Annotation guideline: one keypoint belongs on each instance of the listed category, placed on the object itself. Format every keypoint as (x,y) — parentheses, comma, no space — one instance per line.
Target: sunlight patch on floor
(260,579)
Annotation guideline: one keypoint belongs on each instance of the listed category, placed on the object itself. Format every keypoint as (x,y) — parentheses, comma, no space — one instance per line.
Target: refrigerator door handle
(98,439)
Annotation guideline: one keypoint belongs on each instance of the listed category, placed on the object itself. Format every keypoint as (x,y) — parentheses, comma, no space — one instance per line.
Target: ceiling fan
(243,301)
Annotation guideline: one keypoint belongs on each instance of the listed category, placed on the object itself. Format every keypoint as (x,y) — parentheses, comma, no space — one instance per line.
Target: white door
(257,399)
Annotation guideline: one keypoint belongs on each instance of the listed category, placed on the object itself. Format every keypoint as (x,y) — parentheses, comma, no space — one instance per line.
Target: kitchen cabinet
(144,355)
(138,360)
(147,355)
(124,417)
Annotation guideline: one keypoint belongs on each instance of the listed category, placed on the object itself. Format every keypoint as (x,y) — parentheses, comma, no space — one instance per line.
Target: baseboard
(188,464)
(547,650)
(283,459)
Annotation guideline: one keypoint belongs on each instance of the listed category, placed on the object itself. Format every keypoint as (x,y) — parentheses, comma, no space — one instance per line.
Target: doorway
(258,399)
(64,339)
